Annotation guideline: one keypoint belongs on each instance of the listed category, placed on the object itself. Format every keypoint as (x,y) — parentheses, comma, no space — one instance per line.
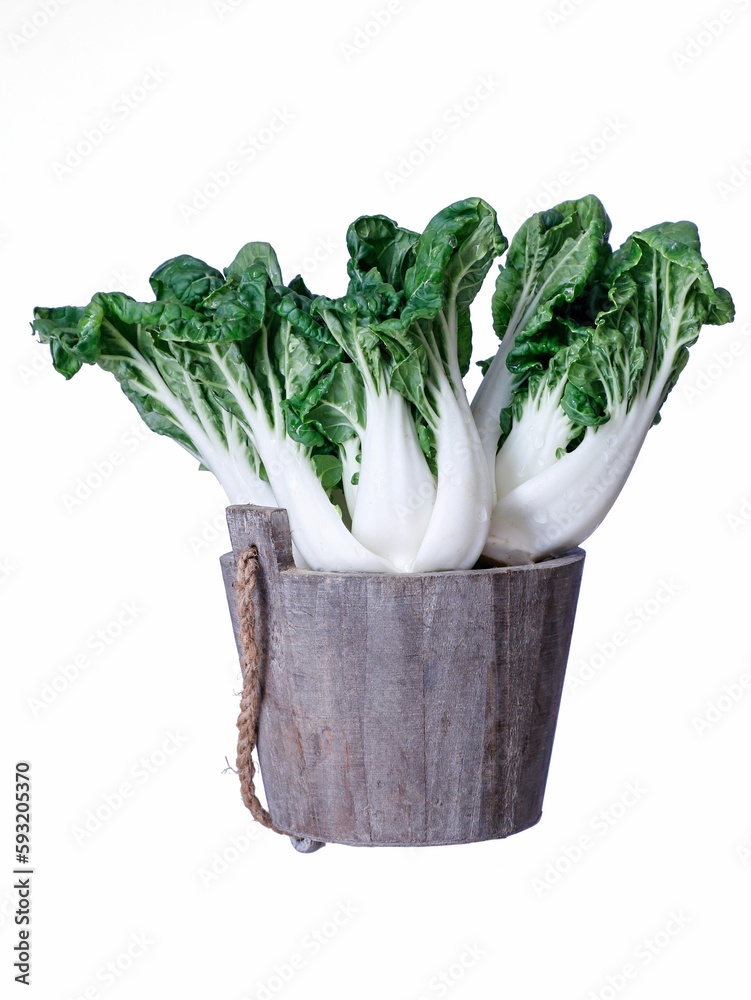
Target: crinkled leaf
(375,242)
(185,279)
(252,257)
(551,259)
(59,328)
(452,257)
(335,406)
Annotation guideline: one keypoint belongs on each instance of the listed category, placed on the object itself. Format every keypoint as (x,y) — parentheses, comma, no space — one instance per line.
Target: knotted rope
(250,703)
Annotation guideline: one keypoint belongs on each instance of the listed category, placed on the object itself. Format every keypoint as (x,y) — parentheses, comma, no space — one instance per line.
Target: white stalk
(318,532)
(239,480)
(561,507)
(497,386)
(317,529)
(493,395)
(464,499)
(250,489)
(495,390)
(396,490)
(533,441)
(348,454)
(556,510)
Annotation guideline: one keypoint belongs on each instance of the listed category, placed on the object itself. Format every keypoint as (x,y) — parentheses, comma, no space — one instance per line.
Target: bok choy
(592,342)
(351,412)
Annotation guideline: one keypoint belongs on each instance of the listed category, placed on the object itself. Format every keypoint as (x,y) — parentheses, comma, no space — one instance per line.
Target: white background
(530,917)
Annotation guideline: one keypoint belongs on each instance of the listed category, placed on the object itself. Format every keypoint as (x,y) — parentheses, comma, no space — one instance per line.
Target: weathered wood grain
(411,709)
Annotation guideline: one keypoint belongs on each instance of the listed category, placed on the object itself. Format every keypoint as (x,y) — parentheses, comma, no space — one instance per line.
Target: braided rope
(250,703)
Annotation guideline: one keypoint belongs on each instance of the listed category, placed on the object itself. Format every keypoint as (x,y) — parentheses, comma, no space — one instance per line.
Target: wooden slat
(459,657)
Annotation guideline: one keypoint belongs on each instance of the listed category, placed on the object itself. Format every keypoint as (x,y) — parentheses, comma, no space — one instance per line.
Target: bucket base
(307,844)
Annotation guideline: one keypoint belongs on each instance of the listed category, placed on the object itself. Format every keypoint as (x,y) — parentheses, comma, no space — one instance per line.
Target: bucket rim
(568,558)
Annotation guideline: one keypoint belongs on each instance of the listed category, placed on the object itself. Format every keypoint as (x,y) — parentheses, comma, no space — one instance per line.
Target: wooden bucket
(405,710)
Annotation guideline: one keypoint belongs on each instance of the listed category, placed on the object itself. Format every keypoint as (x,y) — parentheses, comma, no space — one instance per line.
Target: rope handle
(250,702)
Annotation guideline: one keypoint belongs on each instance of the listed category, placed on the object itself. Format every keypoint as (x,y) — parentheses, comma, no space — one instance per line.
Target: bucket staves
(404,710)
